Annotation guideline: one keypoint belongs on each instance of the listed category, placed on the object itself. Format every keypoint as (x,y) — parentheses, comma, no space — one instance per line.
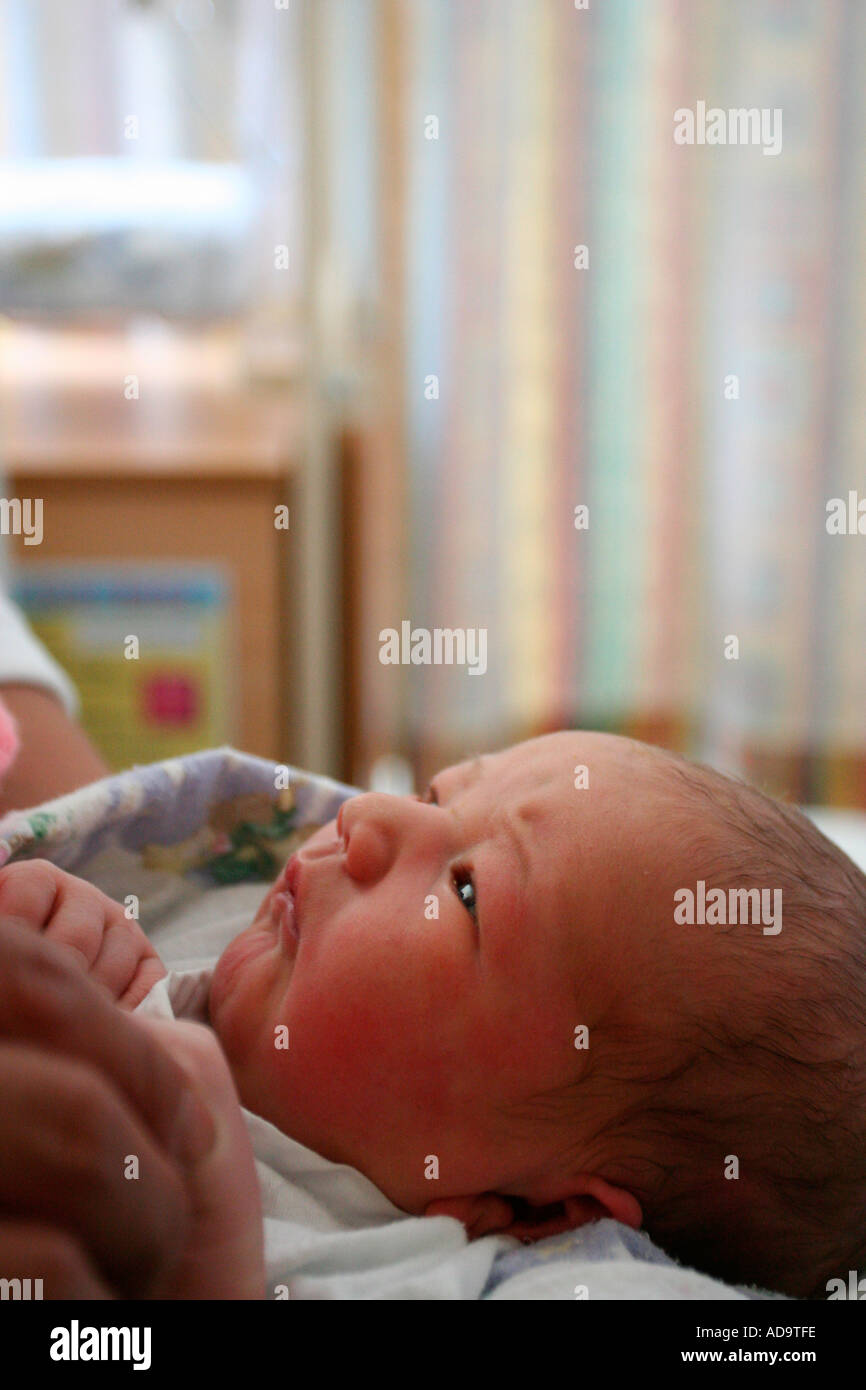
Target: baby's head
(495,1010)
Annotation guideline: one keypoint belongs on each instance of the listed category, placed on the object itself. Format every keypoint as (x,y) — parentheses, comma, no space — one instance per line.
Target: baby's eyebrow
(468,772)
(508,820)
(475,768)
(473,772)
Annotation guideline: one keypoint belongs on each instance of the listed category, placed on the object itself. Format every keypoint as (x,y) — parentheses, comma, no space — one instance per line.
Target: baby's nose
(371,830)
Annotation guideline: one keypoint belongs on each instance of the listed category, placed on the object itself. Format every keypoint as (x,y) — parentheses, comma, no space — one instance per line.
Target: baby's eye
(462,879)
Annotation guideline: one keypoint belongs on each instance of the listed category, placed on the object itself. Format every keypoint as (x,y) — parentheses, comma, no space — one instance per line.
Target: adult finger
(225,1254)
(51,1259)
(75,1155)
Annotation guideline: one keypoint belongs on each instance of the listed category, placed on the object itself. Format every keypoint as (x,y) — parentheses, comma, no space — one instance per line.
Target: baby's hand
(108,946)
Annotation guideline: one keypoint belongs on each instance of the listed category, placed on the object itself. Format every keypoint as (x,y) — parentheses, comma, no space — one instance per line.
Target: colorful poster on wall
(148,647)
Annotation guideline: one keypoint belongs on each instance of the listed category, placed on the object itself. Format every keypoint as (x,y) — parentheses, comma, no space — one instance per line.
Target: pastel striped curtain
(696,382)
(671,336)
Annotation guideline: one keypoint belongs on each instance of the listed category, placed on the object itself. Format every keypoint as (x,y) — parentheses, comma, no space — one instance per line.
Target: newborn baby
(497,1009)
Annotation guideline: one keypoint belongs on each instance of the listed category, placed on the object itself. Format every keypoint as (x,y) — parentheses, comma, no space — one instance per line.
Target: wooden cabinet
(153,448)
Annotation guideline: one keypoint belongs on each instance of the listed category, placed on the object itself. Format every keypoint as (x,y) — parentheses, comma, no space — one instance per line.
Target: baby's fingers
(80,921)
(124,949)
(147,973)
(28,891)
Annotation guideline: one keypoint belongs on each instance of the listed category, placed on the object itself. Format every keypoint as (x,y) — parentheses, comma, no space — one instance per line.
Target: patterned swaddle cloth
(216,817)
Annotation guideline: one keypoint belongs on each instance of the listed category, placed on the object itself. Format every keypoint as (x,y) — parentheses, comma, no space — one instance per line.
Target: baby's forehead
(529,790)
(571,796)
(521,770)
(553,764)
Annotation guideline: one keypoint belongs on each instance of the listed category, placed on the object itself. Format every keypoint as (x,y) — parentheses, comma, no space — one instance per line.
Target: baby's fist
(108,945)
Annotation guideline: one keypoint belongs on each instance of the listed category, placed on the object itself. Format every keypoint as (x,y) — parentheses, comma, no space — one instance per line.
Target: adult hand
(224,1253)
(85,1089)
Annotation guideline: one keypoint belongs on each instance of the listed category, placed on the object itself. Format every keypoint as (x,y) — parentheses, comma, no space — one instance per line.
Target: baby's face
(447,949)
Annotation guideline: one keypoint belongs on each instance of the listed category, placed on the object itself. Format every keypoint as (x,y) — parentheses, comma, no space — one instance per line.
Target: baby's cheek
(363,1056)
(341,1051)
(334,1028)
(240,990)
(224,980)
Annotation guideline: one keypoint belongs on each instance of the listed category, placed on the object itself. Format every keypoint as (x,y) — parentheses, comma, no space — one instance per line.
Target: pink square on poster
(170,699)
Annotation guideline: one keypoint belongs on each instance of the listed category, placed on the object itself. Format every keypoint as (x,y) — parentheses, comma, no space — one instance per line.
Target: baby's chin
(243,979)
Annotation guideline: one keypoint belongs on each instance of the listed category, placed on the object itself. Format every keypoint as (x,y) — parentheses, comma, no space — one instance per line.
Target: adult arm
(56,755)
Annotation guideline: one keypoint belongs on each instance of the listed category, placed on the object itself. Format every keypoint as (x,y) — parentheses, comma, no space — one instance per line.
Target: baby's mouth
(284,914)
(282,906)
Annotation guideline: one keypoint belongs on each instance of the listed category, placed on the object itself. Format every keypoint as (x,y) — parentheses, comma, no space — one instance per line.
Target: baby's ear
(616,1202)
(482,1216)
(590,1199)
